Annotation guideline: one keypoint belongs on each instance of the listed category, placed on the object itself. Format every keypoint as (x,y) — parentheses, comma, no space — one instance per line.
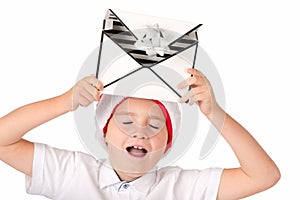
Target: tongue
(137,152)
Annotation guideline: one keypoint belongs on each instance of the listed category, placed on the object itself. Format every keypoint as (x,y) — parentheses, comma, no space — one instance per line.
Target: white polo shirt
(66,175)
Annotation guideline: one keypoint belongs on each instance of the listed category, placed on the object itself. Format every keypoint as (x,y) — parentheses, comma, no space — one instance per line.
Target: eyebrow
(135,114)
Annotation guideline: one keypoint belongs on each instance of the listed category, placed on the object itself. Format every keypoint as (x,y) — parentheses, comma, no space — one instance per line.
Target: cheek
(159,141)
(114,135)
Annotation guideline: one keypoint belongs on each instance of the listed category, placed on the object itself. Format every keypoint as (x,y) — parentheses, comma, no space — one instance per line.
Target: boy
(60,174)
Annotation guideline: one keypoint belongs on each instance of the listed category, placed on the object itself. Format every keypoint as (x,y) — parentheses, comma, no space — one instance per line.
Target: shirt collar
(109,178)
(145,182)
(107,175)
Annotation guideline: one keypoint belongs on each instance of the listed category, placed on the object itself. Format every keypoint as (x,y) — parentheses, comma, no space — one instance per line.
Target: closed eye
(129,122)
(152,126)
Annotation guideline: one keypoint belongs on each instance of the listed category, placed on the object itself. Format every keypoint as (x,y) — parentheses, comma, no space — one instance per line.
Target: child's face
(136,136)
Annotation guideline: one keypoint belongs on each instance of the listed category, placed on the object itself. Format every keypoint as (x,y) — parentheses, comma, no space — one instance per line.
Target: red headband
(166,114)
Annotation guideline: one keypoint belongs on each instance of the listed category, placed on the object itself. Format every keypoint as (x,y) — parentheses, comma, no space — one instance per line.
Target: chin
(137,165)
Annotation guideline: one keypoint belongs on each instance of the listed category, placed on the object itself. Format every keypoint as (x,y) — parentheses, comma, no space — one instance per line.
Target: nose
(140,133)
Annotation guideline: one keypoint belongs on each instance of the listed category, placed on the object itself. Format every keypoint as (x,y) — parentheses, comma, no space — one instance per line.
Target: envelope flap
(126,29)
(135,22)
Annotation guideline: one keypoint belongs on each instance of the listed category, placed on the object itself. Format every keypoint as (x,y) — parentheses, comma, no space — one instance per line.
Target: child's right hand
(85,92)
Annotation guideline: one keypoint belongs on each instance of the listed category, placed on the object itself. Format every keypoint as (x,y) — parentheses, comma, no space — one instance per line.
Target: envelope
(145,56)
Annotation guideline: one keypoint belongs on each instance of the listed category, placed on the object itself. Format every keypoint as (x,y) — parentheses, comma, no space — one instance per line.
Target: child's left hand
(200,93)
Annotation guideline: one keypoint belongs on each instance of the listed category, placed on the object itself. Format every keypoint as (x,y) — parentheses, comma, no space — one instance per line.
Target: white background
(254,45)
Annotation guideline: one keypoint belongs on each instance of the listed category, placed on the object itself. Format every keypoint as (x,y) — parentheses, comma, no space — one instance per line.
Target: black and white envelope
(145,56)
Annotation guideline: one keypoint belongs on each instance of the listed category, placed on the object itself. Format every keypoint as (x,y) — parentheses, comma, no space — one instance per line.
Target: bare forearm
(254,161)
(15,124)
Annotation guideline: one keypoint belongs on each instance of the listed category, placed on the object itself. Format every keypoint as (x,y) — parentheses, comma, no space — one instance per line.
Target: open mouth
(136,151)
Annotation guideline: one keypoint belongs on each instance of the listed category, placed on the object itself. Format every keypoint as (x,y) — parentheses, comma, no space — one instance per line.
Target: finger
(190,94)
(197,98)
(92,80)
(79,99)
(187,82)
(94,92)
(195,72)
(83,101)
(97,84)
(185,97)
(201,78)
(193,100)
(83,91)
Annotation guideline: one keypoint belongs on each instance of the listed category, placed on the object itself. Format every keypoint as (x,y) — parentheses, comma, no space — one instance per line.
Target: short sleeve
(34,183)
(204,183)
(191,184)
(213,183)
(52,171)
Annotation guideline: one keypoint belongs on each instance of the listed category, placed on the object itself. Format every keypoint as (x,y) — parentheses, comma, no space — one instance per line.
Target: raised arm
(257,171)
(18,152)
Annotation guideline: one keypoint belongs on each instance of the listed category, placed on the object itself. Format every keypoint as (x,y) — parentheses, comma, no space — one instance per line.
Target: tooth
(140,148)
(135,147)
